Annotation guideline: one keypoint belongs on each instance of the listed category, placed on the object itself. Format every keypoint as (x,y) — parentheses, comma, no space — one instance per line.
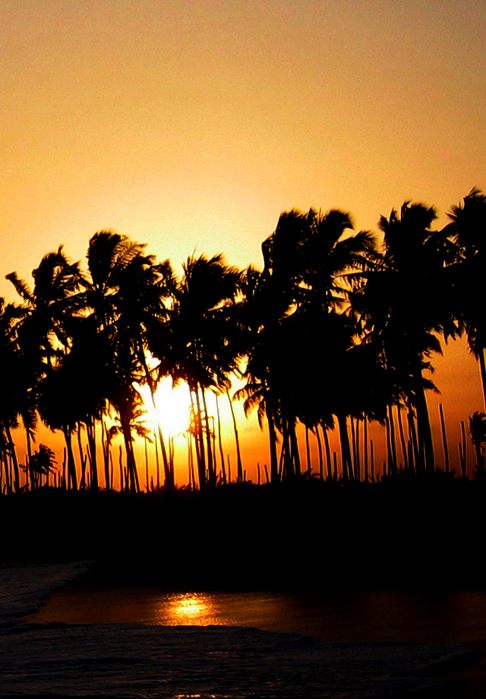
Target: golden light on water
(190,609)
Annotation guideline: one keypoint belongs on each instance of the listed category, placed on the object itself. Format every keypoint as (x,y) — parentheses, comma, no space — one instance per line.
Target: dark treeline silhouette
(336,331)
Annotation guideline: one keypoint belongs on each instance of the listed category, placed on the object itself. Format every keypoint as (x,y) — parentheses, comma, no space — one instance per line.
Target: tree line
(336,330)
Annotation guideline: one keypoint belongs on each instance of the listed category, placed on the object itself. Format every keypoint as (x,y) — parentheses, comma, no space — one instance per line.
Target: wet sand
(448,617)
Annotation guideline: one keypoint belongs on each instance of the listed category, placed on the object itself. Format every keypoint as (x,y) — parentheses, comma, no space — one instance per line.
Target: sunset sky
(190,125)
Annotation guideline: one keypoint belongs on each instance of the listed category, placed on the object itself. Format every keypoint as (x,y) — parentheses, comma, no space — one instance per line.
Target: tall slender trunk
(220,441)
(327,447)
(307,452)
(321,460)
(28,471)
(82,484)
(209,449)
(106,456)
(464,454)
(295,456)
(237,439)
(356,454)
(444,439)
(482,368)
(402,439)
(132,475)
(200,452)
(71,464)
(285,454)
(417,456)
(168,471)
(423,421)
(147,485)
(91,435)
(272,433)
(365,442)
(13,454)
(345,448)
(393,447)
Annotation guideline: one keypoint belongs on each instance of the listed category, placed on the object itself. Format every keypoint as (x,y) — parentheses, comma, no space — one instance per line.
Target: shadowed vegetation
(336,331)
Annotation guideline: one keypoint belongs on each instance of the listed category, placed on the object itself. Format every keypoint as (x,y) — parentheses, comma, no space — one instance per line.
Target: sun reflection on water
(191,608)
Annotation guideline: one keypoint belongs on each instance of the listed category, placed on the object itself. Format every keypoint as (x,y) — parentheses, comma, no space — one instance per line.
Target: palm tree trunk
(209,451)
(321,460)
(220,441)
(482,368)
(72,478)
(444,439)
(237,439)
(82,484)
(423,421)
(168,471)
(295,457)
(13,454)
(464,454)
(307,452)
(274,475)
(91,435)
(402,440)
(417,457)
(28,471)
(106,455)
(328,452)
(132,475)
(393,447)
(201,457)
(345,448)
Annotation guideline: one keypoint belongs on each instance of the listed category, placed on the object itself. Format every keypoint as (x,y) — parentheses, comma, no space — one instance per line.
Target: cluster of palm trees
(337,329)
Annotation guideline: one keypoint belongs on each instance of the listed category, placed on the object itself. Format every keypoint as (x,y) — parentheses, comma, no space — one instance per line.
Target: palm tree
(477,428)
(13,386)
(51,302)
(468,229)
(312,266)
(43,336)
(198,342)
(121,279)
(408,303)
(143,290)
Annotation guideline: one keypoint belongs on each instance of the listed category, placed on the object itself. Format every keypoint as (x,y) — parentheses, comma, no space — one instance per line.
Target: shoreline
(369,617)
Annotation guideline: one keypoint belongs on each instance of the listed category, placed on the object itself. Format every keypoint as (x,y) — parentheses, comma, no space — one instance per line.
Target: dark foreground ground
(299,536)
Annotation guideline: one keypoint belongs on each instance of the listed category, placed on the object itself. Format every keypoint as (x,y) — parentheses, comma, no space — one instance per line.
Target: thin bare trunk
(444,439)
(220,441)
(237,439)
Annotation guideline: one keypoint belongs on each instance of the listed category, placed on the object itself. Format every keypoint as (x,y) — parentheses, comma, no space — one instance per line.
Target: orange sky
(192,125)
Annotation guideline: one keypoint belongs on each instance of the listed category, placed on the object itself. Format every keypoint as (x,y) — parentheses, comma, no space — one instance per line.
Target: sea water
(218,660)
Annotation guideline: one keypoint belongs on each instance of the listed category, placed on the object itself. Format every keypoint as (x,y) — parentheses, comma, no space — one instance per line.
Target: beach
(381,585)
(371,618)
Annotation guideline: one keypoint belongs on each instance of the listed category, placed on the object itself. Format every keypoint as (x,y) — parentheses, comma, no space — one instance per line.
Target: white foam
(23,588)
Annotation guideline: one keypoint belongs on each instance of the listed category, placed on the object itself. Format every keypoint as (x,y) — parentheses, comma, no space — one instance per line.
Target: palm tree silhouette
(468,229)
(198,345)
(312,266)
(43,335)
(13,387)
(409,297)
(121,278)
(477,428)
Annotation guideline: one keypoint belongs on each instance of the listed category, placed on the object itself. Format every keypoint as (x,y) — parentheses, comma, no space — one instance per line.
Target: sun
(172,407)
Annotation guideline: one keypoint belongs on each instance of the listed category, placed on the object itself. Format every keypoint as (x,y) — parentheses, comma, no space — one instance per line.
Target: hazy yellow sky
(191,124)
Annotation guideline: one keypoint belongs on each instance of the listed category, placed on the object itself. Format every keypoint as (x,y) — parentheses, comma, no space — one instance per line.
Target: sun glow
(172,407)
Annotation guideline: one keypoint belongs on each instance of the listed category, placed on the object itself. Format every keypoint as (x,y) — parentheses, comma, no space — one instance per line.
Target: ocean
(94,640)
